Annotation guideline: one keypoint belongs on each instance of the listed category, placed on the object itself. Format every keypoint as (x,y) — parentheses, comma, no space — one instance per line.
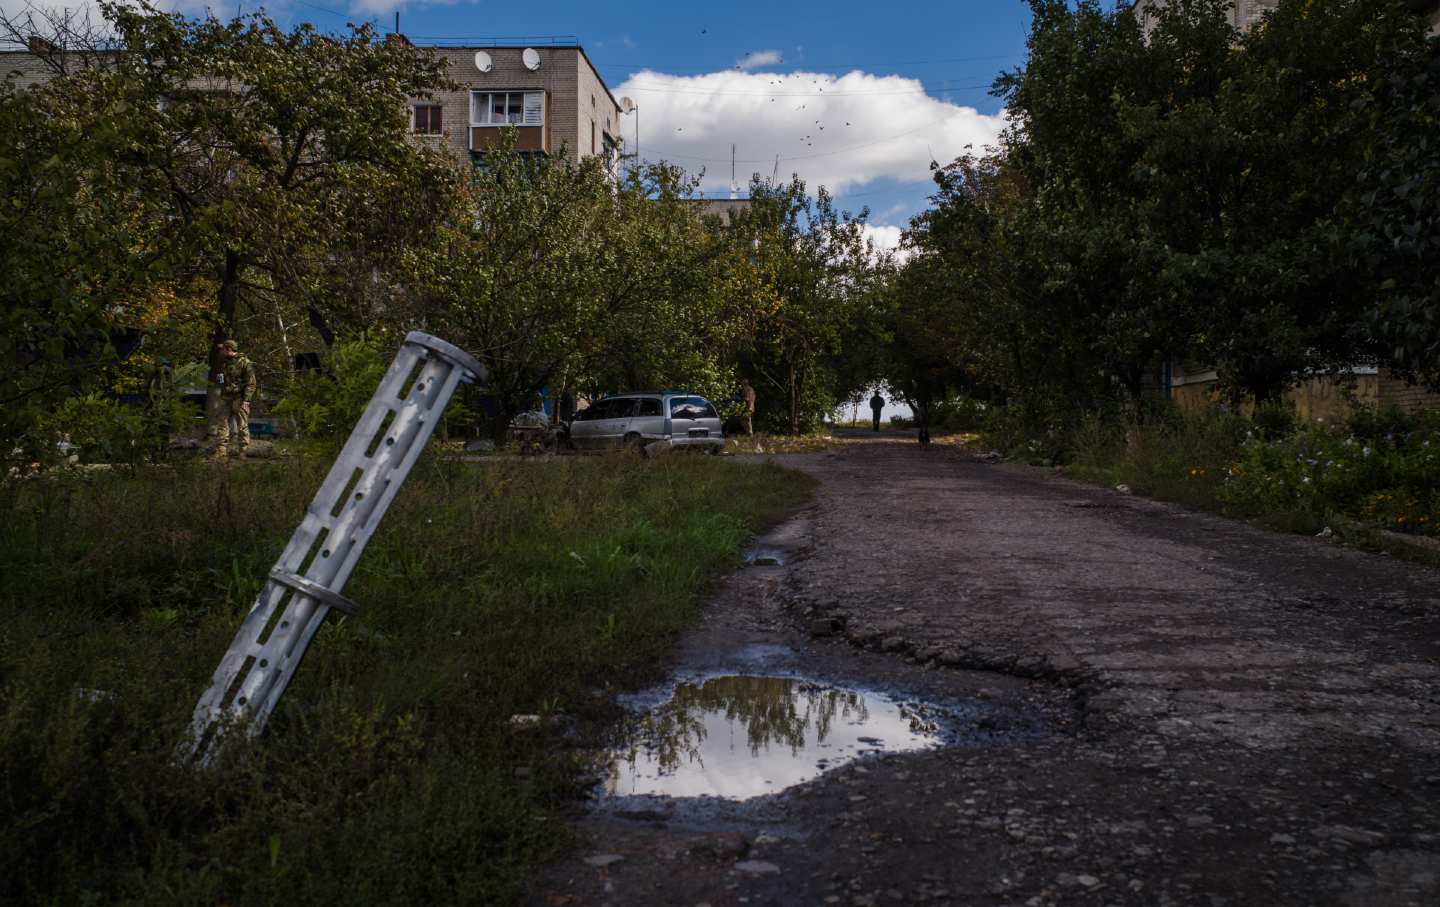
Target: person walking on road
(877,403)
(236,380)
(747,392)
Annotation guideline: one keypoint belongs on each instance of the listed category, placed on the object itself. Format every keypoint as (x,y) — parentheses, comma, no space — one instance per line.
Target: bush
(325,405)
(101,429)
(1390,481)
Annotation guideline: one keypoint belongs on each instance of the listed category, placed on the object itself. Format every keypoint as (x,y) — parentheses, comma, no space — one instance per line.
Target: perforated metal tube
(307,580)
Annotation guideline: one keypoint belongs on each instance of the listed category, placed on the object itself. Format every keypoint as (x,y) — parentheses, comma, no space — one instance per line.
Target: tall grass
(1380,468)
(389,773)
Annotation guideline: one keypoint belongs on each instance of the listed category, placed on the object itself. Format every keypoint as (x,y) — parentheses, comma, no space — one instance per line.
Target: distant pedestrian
(236,379)
(747,393)
(877,403)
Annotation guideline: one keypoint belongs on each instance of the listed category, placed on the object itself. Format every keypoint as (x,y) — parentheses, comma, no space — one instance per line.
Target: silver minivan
(636,421)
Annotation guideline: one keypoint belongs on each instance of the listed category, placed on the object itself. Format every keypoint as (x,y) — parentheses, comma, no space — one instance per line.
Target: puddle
(741,737)
(764,556)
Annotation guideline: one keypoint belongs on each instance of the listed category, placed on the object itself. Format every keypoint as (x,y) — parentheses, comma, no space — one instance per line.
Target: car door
(615,422)
(588,422)
(649,420)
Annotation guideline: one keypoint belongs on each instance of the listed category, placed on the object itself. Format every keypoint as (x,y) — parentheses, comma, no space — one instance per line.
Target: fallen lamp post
(306,582)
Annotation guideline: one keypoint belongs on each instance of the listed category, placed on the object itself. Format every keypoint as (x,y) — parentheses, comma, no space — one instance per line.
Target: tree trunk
(794,403)
(229,298)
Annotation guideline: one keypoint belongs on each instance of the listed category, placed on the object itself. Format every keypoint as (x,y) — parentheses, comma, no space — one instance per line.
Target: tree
(554,277)
(1392,215)
(262,158)
(818,269)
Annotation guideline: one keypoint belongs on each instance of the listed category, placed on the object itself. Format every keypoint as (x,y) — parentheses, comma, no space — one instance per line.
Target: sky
(852,96)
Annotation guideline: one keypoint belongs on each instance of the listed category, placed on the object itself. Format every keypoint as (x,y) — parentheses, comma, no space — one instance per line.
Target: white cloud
(757,58)
(840,131)
(886,238)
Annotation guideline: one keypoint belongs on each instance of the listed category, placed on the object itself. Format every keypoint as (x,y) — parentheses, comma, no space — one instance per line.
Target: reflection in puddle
(743,737)
(764,556)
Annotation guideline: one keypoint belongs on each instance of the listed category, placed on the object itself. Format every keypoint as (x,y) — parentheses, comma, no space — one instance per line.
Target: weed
(490,590)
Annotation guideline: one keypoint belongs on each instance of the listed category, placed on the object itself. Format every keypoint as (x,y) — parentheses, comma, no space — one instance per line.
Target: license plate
(699,432)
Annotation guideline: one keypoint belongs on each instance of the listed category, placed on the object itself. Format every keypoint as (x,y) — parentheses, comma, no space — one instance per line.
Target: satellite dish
(627,105)
(531,58)
(483,61)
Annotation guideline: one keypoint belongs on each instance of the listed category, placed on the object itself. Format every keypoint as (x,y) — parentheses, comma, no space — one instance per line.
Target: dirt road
(1183,709)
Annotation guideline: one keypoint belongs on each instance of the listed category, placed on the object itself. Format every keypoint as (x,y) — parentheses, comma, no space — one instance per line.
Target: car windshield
(691,408)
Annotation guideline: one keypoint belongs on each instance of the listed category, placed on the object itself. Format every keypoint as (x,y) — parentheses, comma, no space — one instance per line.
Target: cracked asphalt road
(1234,716)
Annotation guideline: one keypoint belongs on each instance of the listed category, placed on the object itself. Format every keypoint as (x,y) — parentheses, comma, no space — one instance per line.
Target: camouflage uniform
(236,379)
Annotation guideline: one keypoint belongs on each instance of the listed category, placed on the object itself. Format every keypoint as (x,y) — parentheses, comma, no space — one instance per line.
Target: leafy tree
(554,277)
(818,269)
(263,159)
(1393,215)
(78,258)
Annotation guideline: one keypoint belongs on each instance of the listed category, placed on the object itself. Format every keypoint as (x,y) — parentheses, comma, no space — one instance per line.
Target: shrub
(101,429)
(325,405)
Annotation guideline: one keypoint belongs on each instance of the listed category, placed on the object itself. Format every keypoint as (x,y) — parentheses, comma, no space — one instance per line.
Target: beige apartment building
(551,94)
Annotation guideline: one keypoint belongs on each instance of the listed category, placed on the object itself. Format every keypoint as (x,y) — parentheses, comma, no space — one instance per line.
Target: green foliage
(1186,192)
(1388,470)
(103,429)
(554,277)
(326,404)
(388,770)
(218,163)
(1393,213)
(817,281)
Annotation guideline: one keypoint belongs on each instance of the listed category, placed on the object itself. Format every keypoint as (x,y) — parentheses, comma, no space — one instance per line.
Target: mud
(1187,710)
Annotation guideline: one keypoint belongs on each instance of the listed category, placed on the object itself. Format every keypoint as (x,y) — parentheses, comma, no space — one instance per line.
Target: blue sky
(906,82)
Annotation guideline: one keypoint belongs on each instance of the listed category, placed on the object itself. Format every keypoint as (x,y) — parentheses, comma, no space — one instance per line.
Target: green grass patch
(389,770)
(1378,470)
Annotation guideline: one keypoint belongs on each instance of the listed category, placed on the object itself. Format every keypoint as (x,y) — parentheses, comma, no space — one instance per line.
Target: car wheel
(634,444)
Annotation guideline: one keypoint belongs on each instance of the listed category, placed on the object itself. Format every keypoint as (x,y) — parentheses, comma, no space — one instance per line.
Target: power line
(346,16)
(832,65)
(806,94)
(802,157)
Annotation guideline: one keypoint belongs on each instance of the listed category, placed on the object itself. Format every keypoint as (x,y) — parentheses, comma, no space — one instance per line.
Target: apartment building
(551,94)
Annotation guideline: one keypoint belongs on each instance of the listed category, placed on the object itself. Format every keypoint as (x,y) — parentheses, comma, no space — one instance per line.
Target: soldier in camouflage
(236,380)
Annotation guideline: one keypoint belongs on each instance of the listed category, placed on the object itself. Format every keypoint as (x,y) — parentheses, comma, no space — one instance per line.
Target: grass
(1380,471)
(392,771)
(766,443)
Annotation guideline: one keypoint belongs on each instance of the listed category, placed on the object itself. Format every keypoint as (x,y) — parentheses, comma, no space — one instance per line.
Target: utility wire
(801,157)
(806,94)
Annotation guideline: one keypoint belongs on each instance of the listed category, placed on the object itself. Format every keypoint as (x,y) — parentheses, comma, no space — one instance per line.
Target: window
(427,119)
(507,108)
(691,408)
(592,137)
(649,406)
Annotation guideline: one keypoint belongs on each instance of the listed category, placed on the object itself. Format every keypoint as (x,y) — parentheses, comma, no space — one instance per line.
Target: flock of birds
(808,138)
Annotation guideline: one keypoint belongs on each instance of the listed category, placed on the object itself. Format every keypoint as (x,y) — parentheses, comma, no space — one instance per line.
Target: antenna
(531,58)
(734,190)
(775,174)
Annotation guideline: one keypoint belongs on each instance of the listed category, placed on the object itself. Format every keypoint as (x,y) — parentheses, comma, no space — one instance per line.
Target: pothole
(764,556)
(741,737)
